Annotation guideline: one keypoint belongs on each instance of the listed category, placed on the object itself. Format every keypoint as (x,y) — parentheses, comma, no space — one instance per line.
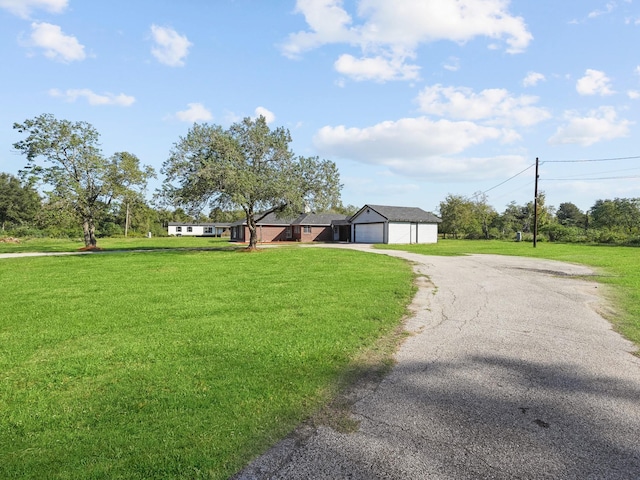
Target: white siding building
(383,224)
(197,229)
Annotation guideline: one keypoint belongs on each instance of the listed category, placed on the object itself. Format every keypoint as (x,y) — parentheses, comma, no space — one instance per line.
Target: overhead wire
(593,160)
(578,177)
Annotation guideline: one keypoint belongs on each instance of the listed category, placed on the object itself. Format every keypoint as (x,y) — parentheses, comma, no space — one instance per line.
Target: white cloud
(633,94)
(532,79)
(610,7)
(494,106)
(170,48)
(594,82)
(452,64)
(72,95)
(268,115)
(195,113)
(417,147)
(375,68)
(23,8)
(391,32)
(599,125)
(56,45)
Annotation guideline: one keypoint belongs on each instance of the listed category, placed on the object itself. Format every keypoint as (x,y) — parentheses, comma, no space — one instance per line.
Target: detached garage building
(382,224)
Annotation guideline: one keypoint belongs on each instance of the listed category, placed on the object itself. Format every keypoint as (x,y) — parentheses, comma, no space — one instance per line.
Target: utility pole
(535,209)
(126,221)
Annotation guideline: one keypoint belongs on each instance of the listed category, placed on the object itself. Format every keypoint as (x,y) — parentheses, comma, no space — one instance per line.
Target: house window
(307,229)
(178,229)
(296,229)
(189,229)
(208,230)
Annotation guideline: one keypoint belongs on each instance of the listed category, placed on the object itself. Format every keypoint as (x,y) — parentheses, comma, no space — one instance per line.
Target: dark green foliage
(19,202)
(248,167)
(66,157)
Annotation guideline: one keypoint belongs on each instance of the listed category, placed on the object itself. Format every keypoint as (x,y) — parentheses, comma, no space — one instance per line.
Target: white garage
(384,224)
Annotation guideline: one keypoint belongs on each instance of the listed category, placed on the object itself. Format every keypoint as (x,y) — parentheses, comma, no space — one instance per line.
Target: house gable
(367,214)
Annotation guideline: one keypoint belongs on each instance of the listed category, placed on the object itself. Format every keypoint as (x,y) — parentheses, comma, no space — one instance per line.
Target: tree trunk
(253,232)
(89,231)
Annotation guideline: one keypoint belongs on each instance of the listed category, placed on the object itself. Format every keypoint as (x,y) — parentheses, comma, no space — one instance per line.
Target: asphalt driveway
(510,373)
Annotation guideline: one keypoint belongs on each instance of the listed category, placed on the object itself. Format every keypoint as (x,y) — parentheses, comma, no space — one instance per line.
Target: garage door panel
(369,232)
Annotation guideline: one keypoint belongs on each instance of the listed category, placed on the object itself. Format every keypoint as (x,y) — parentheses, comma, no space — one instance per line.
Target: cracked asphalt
(509,373)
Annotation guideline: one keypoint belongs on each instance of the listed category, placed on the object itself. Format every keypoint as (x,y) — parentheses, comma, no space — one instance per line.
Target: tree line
(69,188)
(247,170)
(615,221)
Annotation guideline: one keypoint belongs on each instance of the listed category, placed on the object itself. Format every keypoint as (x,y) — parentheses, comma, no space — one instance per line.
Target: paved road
(510,374)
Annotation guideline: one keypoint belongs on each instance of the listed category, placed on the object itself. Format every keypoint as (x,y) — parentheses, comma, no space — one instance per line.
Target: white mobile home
(198,229)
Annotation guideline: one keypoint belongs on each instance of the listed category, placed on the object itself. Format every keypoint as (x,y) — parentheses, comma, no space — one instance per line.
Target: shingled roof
(318,218)
(404,214)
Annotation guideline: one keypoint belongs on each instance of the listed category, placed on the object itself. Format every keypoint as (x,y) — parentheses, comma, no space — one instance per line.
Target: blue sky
(412,99)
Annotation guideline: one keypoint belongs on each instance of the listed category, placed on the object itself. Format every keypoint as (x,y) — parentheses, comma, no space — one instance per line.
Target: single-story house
(307,227)
(371,224)
(179,229)
(271,228)
(316,227)
(384,224)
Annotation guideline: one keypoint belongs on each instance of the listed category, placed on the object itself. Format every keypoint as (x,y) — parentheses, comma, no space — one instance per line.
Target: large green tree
(620,214)
(19,203)
(456,212)
(247,166)
(66,156)
(570,215)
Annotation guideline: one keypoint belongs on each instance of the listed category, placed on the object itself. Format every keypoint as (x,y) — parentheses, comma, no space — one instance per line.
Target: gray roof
(318,218)
(270,219)
(403,214)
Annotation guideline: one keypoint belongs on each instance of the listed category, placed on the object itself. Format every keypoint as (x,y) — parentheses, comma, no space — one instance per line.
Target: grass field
(178,364)
(185,364)
(120,243)
(618,267)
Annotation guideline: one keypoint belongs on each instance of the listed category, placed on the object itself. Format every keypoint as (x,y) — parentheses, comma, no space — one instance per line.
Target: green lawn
(186,363)
(178,364)
(618,267)
(129,243)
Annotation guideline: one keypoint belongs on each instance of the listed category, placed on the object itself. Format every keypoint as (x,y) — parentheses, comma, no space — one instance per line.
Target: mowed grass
(618,267)
(115,243)
(180,364)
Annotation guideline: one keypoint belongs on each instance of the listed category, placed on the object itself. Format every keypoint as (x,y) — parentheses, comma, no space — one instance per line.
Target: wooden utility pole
(535,209)
(126,221)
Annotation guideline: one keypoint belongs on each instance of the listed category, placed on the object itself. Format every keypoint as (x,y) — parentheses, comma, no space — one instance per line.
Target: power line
(585,179)
(510,178)
(593,160)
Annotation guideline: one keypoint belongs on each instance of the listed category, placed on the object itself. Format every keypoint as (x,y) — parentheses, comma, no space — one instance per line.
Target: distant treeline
(24,213)
(614,221)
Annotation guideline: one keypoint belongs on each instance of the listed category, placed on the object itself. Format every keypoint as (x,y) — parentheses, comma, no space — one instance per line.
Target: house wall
(407,232)
(196,231)
(402,232)
(266,233)
(368,216)
(428,233)
(319,233)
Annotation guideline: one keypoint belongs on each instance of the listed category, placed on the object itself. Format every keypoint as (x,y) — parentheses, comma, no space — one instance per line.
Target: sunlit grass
(178,364)
(116,243)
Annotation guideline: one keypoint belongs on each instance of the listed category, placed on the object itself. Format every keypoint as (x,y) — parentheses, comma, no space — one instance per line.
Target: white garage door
(369,232)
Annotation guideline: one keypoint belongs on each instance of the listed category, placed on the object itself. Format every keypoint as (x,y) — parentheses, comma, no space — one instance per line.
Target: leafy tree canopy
(66,156)
(247,166)
(19,203)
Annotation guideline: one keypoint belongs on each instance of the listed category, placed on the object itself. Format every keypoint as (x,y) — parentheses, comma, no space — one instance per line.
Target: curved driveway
(509,374)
